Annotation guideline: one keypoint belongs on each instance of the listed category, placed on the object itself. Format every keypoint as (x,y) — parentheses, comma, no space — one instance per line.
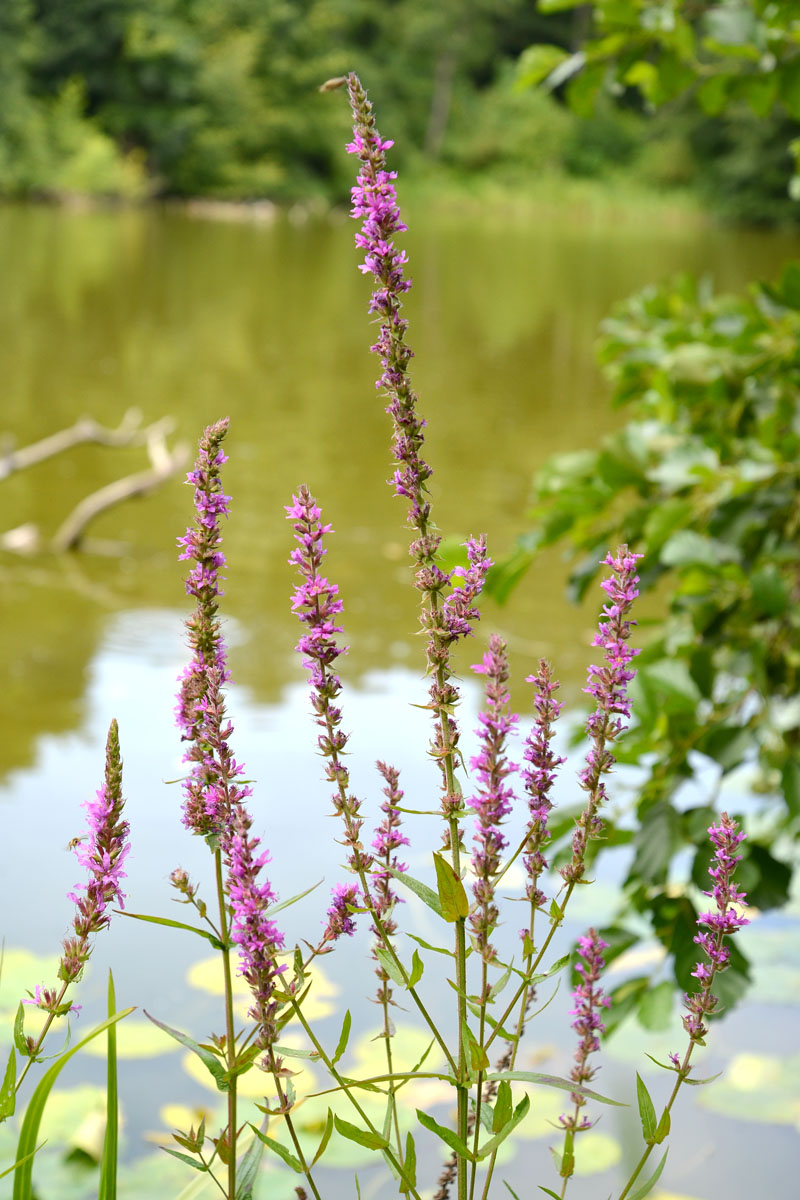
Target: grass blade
(108,1163)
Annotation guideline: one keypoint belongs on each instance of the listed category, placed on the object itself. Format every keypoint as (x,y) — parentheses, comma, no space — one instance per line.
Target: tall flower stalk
(714,926)
(445,617)
(589,1000)
(215,799)
(102,854)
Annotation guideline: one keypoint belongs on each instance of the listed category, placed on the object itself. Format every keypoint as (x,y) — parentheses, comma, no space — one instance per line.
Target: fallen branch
(85,430)
(28,539)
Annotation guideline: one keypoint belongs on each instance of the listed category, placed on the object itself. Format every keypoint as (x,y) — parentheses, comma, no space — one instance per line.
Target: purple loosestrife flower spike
(716,925)
(608,684)
(317,605)
(539,777)
(200,707)
(258,938)
(102,855)
(375,205)
(494,798)
(387,840)
(588,1000)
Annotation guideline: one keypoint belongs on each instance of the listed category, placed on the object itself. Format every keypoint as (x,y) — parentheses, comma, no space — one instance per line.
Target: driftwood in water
(28,539)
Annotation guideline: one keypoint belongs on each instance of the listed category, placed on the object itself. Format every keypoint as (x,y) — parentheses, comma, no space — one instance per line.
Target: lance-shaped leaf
(409,1179)
(280,1150)
(417,968)
(344,1037)
(565,1085)
(203,933)
(8,1092)
(274,908)
(19,1032)
(663,1127)
(426,894)
(209,1060)
(184,1158)
(478,1058)
(647,1112)
(450,1138)
(107,1189)
(452,895)
(427,946)
(567,1163)
(503,1107)
(326,1137)
(519,1114)
(364,1137)
(248,1169)
(390,966)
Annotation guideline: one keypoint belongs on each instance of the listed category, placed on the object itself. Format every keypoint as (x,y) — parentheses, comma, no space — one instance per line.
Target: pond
(104,311)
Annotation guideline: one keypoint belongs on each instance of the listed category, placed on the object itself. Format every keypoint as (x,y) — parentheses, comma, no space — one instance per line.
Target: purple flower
(317,605)
(716,925)
(494,797)
(588,1002)
(102,856)
(340,920)
(210,789)
(539,777)
(387,840)
(257,936)
(608,684)
(375,205)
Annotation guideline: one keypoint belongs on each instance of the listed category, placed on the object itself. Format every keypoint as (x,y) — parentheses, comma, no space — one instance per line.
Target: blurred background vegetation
(218,98)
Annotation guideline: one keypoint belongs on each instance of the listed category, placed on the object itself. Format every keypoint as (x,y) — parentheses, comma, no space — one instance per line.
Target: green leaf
(514,1194)
(364,1137)
(450,1138)
(203,933)
(426,894)
(417,968)
(452,896)
(390,966)
(567,1164)
(498,986)
(326,1137)
(275,908)
(478,1058)
(23,1188)
(663,1127)
(184,1158)
(8,1092)
(547,1191)
(519,1114)
(712,95)
(344,1037)
(292,1052)
(641,1192)
(503,1107)
(107,1189)
(427,946)
(247,1171)
(409,1180)
(555,1081)
(20,1161)
(209,1060)
(19,1032)
(701,1082)
(278,1149)
(647,1112)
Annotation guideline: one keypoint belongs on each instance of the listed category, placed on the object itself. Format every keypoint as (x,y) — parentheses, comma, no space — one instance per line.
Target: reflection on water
(104,311)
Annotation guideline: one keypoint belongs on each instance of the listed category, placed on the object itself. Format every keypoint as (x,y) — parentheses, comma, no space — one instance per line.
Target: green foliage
(704,480)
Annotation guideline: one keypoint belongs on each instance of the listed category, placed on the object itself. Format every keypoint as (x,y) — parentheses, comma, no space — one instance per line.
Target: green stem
(479,1085)
(40,1040)
(332,1069)
(554,924)
(230,1033)
(287,1116)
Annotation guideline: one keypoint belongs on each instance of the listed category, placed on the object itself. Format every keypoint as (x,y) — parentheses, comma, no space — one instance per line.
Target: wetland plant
(491,996)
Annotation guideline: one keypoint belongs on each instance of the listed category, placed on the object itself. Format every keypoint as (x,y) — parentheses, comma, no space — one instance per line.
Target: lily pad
(759,1087)
(207,975)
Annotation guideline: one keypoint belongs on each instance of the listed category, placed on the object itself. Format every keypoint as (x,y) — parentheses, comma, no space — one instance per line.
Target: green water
(104,311)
